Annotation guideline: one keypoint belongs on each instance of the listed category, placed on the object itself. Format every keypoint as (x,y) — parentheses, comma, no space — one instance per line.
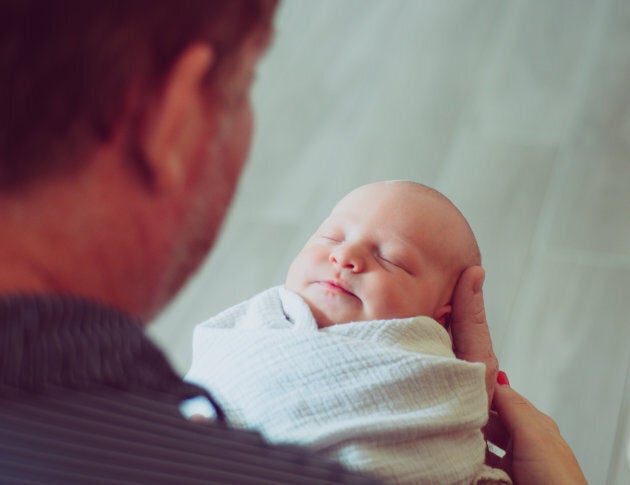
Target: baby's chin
(329,318)
(321,318)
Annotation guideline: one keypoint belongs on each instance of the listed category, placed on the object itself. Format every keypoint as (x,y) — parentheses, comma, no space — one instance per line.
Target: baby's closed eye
(330,239)
(394,260)
(331,234)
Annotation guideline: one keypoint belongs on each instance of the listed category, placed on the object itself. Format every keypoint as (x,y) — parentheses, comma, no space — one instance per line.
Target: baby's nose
(348,257)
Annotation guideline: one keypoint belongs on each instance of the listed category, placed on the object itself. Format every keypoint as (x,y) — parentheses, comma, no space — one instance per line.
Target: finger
(516,412)
(520,415)
(470,331)
(471,336)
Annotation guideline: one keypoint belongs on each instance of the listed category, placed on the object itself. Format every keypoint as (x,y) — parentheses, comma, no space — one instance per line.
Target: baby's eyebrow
(402,248)
(330,224)
(326,227)
(398,242)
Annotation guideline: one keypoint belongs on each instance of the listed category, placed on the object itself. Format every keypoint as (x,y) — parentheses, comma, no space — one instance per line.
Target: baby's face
(384,252)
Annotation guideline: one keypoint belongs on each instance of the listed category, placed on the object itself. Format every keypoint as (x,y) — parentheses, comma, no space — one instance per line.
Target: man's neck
(80,235)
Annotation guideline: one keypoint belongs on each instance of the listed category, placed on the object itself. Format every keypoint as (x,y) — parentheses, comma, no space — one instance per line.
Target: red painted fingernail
(502,378)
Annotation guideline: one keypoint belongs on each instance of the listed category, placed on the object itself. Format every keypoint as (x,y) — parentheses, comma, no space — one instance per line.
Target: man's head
(71,70)
(387,250)
(124,126)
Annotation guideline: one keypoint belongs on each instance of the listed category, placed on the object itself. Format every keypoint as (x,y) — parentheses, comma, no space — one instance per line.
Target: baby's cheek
(385,304)
(408,302)
(294,280)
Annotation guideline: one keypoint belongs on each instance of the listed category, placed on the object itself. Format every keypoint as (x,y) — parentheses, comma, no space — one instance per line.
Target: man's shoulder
(119,435)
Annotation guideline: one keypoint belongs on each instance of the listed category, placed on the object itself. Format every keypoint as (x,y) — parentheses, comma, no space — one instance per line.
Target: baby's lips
(337,285)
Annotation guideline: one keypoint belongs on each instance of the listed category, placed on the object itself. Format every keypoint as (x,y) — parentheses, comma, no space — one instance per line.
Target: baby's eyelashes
(390,261)
(332,237)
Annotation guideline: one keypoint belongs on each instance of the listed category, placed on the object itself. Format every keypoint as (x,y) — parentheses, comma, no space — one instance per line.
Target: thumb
(471,336)
(516,412)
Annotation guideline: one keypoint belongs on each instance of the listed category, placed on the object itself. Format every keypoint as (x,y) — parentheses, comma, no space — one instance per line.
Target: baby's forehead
(408,201)
(412,211)
(400,190)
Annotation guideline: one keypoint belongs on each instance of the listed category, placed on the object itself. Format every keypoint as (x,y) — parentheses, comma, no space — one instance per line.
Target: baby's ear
(443,315)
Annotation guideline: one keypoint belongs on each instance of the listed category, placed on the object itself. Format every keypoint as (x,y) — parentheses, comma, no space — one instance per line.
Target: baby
(351,356)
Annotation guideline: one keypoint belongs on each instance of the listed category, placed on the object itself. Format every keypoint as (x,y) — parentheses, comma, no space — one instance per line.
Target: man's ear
(175,121)
(443,315)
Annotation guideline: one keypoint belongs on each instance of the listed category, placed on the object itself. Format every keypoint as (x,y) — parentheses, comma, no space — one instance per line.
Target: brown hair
(67,68)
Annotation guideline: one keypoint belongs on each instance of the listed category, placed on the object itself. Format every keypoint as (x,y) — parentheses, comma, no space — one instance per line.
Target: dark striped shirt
(86,397)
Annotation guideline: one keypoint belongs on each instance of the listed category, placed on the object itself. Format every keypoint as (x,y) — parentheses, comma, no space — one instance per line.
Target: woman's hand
(539,454)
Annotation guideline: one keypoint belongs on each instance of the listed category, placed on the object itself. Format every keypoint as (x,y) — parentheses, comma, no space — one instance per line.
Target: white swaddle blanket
(385,397)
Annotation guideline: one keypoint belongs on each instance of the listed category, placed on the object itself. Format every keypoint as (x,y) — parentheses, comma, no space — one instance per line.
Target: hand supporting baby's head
(387,250)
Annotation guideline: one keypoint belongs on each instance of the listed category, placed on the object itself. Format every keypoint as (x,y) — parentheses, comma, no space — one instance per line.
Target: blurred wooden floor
(517,110)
